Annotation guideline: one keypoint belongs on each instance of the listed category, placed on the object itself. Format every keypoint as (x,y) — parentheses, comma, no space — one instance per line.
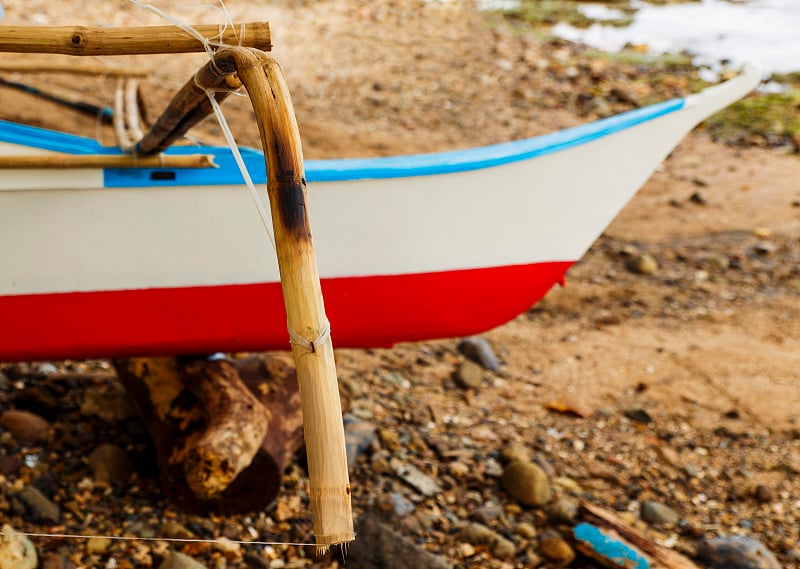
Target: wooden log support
(81,40)
(222,439)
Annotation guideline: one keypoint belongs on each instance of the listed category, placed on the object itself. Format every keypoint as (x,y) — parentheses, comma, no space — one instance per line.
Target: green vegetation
(550,12)
(771,119)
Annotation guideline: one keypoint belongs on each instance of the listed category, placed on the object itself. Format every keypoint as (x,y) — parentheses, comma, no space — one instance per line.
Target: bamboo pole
(81,40)
(190,105)
(65,161)
(312,348)
(71,68)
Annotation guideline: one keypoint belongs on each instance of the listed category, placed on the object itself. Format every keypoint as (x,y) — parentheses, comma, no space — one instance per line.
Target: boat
(130,261)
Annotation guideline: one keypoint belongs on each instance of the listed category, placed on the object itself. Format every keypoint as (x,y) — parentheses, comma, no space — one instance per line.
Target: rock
(479,534)
(639,415)
(175,560)
(765,248)
(642,265)
(16,550)
(415,478)
(35,506)
(668,455)
(468,375)
(698,198)
(486,514)
(657,513)
(358,436)
(97,545)
(763,494)
(9,464)
(526,530)
(395,503)
(515,452)
(390,439)
(563,511)
(379,547)
(527,483)
(736,552)
(111,405)
(27,428)
(557,550)
(110,464)
(479,351)
(57,561)
(174,530)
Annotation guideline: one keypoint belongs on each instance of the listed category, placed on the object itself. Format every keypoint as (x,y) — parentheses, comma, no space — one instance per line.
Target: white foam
(764,32)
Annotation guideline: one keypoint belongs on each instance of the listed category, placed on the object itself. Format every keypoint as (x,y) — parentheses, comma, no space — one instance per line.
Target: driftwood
(664,557)
(222,438)
(81,40)
(61,161)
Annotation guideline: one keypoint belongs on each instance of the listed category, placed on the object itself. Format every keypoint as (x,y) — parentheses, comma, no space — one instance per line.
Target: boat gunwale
(342,169)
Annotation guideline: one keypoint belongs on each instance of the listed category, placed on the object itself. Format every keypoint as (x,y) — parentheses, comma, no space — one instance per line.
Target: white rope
(263,214)
(312,345)
(134,538)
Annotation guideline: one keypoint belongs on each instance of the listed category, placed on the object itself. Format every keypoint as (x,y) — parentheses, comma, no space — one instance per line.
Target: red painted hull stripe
(373,311)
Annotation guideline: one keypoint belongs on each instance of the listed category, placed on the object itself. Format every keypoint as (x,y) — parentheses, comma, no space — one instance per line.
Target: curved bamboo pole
(311,347)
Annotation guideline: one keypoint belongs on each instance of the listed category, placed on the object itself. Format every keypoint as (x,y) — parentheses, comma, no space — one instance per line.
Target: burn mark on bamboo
(291,200)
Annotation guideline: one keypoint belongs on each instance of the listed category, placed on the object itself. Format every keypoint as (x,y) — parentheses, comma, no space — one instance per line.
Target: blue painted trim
(335,170)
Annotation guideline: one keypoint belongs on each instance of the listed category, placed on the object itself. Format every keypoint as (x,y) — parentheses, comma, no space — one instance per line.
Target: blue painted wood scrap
(607,547)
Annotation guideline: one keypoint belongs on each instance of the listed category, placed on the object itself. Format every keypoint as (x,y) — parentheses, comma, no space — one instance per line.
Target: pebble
(175,560)
(395,503)
(639,415)
(515,452)
(479,351)
(16,550)
(468,375)
(642,265)
(112,405)
(563,511)
(97,545)
(527,483)
(556,550)
(27,428)
(110,464)
(415,478)
(763,494)
(486,514)
(57,561)
(765,248)
(736,552)
(658,513)
(36,506)
(479,534)
(698,198)
(358,436)
(526,530)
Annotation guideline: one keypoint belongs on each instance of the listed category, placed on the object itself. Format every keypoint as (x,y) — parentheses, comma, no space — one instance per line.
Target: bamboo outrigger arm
(62,161)
(81,40)
(308,326)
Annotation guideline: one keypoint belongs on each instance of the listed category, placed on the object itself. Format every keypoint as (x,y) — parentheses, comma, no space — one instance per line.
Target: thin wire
(169,539)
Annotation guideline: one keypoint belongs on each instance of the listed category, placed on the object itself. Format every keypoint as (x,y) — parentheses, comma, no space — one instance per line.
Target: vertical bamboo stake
(316,370)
